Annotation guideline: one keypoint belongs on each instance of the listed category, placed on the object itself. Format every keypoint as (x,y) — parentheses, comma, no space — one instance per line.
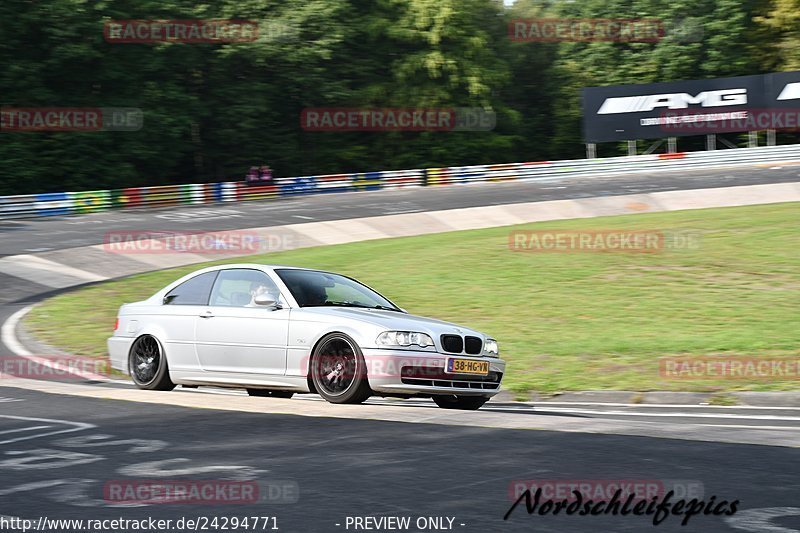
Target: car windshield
(314,289)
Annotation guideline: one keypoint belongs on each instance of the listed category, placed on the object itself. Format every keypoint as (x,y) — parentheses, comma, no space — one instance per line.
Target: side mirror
(266,299)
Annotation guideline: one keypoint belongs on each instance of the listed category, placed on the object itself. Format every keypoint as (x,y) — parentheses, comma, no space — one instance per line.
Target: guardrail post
(672,145)
(711,141)
(591,151)
(770,137)
(752,139)
(631,147)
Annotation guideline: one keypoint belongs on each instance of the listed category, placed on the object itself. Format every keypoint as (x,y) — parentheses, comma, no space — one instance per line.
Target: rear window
(195,291)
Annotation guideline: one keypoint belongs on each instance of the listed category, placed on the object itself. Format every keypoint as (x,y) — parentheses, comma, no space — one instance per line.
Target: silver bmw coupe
(277,330)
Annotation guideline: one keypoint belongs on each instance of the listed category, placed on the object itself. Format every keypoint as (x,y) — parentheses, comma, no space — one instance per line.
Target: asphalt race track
(329,469)
(318,467)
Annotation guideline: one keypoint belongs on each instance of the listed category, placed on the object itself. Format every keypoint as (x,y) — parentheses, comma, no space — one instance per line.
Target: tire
(466,403)
(338,370)
(270,393)
(147,365)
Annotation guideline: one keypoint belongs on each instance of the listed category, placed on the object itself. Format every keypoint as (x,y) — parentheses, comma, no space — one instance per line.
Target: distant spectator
(253,177)
(266,175)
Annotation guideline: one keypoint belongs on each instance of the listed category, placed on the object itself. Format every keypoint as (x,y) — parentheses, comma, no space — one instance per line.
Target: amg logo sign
(691,107)
(790,92)
(639,104)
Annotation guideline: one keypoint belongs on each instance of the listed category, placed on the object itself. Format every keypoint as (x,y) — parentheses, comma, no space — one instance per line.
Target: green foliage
(213,110)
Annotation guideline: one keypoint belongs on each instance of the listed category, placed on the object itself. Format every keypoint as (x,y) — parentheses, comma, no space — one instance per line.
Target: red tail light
(116,324)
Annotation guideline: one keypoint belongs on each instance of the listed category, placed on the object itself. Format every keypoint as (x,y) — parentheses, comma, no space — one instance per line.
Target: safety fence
(72,203)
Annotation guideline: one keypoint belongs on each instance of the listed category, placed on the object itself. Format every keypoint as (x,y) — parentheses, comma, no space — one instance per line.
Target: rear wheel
(270,393)
(148,364)
(338,370)
(467,403)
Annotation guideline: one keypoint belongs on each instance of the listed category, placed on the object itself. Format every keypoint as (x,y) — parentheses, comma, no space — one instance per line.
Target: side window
(238,287)
(194,291)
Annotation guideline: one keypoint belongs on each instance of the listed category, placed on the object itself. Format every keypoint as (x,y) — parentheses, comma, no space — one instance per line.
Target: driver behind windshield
(315,295)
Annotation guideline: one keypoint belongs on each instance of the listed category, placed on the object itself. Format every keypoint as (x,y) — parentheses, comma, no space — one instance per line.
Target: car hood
(393,320)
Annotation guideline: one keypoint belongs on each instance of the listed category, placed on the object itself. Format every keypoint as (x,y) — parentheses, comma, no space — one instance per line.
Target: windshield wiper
(347,304)
(361,306)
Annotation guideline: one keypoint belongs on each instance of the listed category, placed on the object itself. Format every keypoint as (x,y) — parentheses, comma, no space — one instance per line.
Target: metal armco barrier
(71,203)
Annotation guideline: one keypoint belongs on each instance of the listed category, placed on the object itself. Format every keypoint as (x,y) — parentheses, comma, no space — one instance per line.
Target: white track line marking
(739,426)
(655,405)
(10,340)
(8,400)
(8,335)
(671,415)
(76,426)
(31,428)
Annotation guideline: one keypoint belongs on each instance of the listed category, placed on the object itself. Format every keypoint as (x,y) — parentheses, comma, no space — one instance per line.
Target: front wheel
(338,370)
(467,403)
(148,365)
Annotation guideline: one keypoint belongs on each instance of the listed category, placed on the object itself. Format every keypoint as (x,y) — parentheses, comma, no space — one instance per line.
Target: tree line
(212,110)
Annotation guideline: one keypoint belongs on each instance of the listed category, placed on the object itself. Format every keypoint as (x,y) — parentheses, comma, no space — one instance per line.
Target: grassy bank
(565,321)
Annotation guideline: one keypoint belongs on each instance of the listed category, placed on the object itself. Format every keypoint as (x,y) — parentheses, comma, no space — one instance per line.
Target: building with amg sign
(696,107)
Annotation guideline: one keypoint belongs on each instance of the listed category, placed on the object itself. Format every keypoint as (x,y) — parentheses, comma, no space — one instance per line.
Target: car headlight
(491,348)
(404,338)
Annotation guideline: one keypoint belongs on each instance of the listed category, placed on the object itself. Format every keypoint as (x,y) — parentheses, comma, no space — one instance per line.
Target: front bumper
(406,372)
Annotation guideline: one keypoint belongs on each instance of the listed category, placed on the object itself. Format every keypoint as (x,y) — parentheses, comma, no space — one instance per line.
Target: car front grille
(473,345)
(455,344)
(452,343)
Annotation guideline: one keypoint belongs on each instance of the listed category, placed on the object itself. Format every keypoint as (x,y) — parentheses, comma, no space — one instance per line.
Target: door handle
(206,314)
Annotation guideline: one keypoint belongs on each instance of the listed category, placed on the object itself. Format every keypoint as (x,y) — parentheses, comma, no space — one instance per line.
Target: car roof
(258,266)
(250,265)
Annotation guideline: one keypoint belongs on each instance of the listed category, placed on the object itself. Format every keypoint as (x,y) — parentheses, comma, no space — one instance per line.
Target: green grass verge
(565,321)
